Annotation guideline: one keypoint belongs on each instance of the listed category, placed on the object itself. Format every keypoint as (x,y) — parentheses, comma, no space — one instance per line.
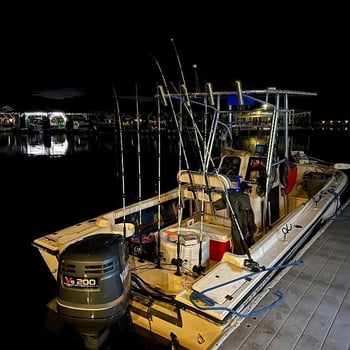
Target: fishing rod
(163,99)
(209,94)
(208,103)
(214,124)
(177,261)
(139,174)
(248,262)
(158,255)
(122,158)
(199,269)
(187,104)
(207,152)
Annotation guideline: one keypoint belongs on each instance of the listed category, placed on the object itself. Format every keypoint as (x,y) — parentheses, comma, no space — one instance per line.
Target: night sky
(81,52)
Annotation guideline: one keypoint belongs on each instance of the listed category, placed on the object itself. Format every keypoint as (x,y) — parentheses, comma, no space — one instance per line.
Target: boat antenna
(139,174)
(197,89)
(122,158)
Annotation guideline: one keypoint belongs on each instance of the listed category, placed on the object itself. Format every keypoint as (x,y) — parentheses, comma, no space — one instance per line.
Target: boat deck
(315,312)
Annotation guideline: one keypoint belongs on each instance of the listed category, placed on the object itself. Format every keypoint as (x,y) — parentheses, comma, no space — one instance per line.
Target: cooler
(219,239)
(219,244)
(189,247)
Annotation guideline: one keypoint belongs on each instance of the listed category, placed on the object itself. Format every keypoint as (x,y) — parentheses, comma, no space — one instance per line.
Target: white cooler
(189,246)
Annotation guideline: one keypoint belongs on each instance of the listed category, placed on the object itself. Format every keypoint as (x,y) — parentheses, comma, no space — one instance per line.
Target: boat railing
(203,185)
(200,190)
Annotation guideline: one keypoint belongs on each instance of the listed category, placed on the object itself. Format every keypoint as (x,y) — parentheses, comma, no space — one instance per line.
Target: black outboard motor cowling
(94,283)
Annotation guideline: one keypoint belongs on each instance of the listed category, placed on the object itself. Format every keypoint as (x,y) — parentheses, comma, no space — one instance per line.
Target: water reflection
(43,144)
(48,145)
(62,144)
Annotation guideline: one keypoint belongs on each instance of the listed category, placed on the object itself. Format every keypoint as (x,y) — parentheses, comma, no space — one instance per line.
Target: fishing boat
(187,265)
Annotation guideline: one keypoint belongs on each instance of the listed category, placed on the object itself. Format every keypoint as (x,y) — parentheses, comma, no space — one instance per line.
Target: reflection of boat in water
(50,145)
(237,223)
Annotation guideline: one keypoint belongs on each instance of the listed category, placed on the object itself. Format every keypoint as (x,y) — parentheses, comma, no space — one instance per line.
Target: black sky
(91,49)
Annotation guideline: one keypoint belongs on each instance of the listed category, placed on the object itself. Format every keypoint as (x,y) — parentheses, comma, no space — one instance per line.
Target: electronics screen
(260,149)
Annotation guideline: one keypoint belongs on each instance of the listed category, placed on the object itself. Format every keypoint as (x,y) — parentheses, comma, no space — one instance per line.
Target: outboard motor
(94,284)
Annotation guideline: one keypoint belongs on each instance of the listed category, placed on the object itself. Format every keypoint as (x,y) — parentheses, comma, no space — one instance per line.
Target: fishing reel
(177,262)
(198,269)
(253,265)
(138,251)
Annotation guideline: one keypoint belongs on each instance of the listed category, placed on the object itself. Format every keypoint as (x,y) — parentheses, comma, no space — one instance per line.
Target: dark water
(48,183)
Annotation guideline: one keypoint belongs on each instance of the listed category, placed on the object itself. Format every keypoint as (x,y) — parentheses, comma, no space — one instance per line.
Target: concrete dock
(315,312)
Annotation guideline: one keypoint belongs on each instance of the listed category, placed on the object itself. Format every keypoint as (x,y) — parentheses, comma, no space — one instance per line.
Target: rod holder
(209,90)
(161,95)
(185,93)
(239,92)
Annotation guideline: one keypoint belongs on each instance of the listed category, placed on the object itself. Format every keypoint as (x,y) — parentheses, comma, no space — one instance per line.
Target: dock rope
(200,296)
